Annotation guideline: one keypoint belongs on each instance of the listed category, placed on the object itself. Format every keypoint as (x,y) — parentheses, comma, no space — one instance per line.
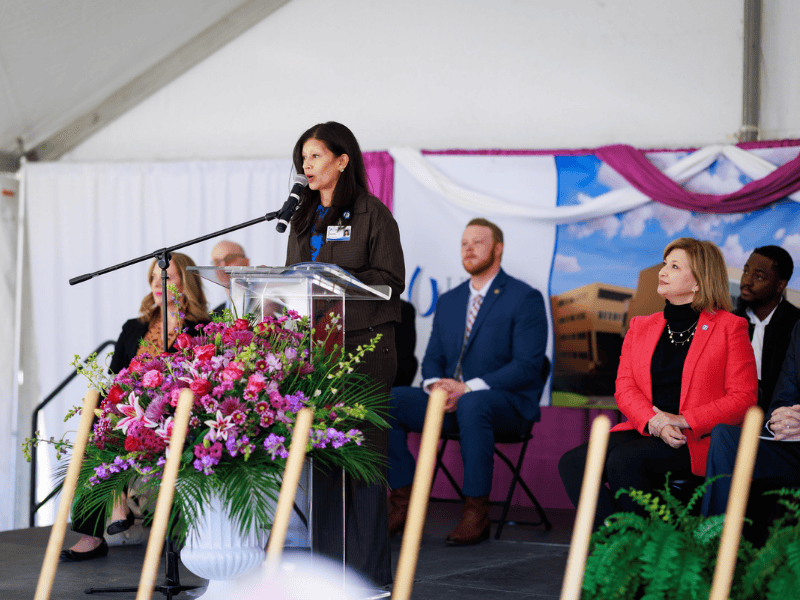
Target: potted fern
(671,553)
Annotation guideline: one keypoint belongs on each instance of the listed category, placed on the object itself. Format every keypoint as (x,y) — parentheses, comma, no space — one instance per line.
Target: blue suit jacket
(787,390)
(506,347)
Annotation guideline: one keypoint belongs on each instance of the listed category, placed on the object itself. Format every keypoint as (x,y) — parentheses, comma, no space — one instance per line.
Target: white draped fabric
(613,202)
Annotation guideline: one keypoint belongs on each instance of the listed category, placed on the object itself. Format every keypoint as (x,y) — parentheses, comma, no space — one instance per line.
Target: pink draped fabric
(380,176)
(645,177)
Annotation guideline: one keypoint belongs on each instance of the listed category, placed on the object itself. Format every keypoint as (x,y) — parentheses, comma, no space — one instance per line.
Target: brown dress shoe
(474,526)
(398,509)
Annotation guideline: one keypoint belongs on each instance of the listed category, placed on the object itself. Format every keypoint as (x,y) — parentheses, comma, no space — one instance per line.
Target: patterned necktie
(474,307)
(472,313)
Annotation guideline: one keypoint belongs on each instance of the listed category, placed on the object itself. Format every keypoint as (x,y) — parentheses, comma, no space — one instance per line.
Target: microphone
(287,210)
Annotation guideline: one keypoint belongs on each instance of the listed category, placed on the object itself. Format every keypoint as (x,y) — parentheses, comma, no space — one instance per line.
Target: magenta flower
(204,352)
(152,379)
(233,372)
(256,382)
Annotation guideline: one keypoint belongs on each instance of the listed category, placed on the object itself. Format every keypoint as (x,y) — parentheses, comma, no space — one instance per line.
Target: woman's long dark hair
(352,181)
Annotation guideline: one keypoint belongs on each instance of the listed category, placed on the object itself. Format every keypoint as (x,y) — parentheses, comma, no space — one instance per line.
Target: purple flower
(356,436)
(296,401)
(318,439)
(336,438)
(274,445)
(204,464)
(231,445)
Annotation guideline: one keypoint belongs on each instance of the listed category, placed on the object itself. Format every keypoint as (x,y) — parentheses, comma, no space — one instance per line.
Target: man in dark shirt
(405,340)
(771,317)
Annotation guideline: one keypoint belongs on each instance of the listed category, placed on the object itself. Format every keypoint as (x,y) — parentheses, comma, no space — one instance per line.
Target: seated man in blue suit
(486,351)
(778,457)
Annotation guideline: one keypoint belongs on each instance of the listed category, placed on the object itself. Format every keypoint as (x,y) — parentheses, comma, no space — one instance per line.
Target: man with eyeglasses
(227,254)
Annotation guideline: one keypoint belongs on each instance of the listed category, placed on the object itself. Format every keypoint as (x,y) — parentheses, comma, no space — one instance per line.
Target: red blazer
(719,379)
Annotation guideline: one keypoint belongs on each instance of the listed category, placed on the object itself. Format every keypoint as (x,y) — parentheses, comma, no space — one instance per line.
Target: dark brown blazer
(373,255)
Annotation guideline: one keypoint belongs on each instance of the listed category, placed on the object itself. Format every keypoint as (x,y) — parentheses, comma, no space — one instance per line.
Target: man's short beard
(481,268)
(742,304)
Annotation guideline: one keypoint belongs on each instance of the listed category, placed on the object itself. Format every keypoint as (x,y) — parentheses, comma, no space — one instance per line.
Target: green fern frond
(709,530)
(793,557)
(612,568)
(782,586)
(767,560)
(691,582)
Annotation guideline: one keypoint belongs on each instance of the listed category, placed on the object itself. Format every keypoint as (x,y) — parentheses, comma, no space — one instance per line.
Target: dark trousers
(776,461)
(92,523)
(477,417)
(366,521)
(633,461)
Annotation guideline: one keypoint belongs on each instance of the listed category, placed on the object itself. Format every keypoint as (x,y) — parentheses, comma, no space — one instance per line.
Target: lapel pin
(346,214)
(705,327)
(496,291)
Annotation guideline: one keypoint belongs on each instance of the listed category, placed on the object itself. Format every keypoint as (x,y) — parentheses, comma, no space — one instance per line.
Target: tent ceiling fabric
(67,68)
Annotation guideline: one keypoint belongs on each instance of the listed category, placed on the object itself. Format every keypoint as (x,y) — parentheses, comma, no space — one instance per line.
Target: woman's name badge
(338,233)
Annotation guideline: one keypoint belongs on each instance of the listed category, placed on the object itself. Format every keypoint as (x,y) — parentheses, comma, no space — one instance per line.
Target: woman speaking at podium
(339,222)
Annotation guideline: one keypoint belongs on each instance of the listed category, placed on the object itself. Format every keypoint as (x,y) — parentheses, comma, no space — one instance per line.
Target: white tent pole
(18,288)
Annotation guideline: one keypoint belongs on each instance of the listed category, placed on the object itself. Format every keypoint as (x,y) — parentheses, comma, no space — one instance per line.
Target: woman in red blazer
(681,372)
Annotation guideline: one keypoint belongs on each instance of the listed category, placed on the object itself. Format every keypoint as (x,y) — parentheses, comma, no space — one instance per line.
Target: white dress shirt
(475,383)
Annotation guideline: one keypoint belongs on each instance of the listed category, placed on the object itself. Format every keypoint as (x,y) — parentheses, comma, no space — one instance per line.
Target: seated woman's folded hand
(672,436)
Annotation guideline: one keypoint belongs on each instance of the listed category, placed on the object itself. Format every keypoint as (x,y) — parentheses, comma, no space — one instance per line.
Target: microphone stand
(172,585)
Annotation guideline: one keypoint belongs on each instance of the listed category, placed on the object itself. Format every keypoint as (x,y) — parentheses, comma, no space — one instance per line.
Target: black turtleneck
(666,368)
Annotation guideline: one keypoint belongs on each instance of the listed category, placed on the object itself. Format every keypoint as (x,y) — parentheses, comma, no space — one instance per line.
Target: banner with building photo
(605,270)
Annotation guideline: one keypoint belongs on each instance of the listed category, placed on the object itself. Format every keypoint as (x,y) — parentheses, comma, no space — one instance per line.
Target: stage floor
(527,564)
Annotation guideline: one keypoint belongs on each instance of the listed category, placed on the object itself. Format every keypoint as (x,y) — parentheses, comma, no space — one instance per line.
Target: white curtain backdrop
(87,217)
(14,407)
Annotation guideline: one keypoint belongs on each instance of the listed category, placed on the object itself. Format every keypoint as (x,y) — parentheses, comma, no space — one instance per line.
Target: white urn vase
(217,551)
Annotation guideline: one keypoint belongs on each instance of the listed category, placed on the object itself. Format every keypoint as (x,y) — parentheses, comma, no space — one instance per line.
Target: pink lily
(133,411)
(220,427)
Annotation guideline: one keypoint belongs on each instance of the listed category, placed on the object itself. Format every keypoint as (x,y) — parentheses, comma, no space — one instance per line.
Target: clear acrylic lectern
(314,290)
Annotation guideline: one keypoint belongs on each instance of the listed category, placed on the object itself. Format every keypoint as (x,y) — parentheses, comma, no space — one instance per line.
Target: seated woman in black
(147,329)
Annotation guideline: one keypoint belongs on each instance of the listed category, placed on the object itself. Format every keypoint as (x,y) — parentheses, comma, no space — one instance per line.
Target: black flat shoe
(72,556)
(121,525)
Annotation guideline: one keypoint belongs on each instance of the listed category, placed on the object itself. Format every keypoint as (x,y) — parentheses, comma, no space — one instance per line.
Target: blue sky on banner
(614,249)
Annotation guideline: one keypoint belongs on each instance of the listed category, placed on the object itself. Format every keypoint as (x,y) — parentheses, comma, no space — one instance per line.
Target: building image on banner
(588,336)
(605,270)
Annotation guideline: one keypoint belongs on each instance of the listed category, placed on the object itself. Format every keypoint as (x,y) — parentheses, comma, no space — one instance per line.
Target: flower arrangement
(249,382)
